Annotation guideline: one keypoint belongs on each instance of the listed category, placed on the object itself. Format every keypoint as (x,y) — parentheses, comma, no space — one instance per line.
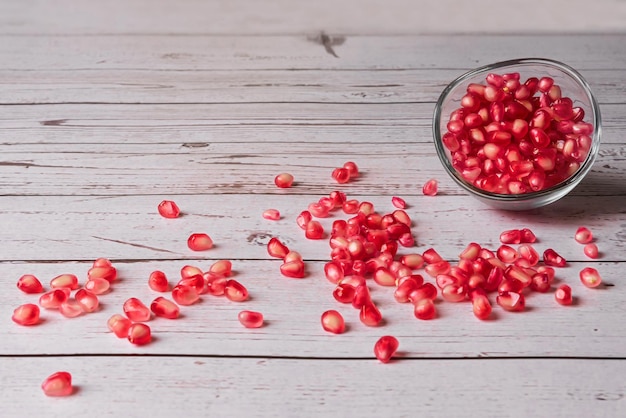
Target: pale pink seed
(511,236)
(250,319)
(385,348)
(119,325)
(271,214)
(333,271)
(71,308)
(199,242)
(413,261)
(235,291)
(87,300)
(29,284)
(136,311)
(53,299)
(511,301)
(185,295)
(332,321)
(139,334)
(102,262)
(430,188)
(591,250)
(223,268)
(164,308)
(583,235)
(27,314)
(283,180)
(304,218)
(108,273)
(292,256)
(590,277)
(189,271)
(58,384)
(98,286)
(197,282)
(168,209)
(398,202)
(69,281)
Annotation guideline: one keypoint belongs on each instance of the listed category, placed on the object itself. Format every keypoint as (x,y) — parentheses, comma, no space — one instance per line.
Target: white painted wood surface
(106,108)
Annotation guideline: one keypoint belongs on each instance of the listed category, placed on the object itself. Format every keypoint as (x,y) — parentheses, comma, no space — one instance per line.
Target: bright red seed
(333,271)
(250,319)
(215,285)
(293,269)
(199,242)
(277,249)
(168,209)
(165,308)
(481,306)
(139,334)
(158,281)
(108,273)
(332,321)
(591,250)
(53,299)
(98,286)
(398,202)
(196,282)
(590,277)
(563,295)
(271,214)
(527,236)
(304,218)
(136,311)
(29,284)
(223,268)
(352,169)
(27,314)
(341,175)
(283,180)
(71,308)
(430,188)
(370,315)
(454,293)
(507,254)
(540,282)
(425,309)
(431,256)
(102,262)
(314,230)
(511,301)
(552,258)
(189,271)
(344,293)
(385,348)
(87,300)
(583,235)
(58,384)
(185,295)
(68,281)
(119,325)
(512,236)
(235,291)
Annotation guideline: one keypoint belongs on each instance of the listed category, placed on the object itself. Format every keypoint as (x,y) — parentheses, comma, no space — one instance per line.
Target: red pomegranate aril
(540,283)
(214,284)
(430,188)
(293,269)
(370,315)
(139,334)
(440,267)
(333,271)
(481,306)
(88,301)
(470,252)
(398,202)
(384,277)
(283,180)
(271,214)
(119,325)
(583,235)
(552,258)
(250,319)
(185,295)
(304,218)
(442,280)
(136,311)
(190,271)
(511,301)
(199,242)
(235,291)
(413,261)
(168,209)
(29,284)
(332,321)
(58,384)
(26,315)
(425,309)
(68,281)
(71,308)
(352,168)
(511,236)
(591,250)
(317,210)
(353,280)
(98,286)
(563,295)
(350,207)
(344,293)
(385,348)
(590,277)
(277,249)
(361,296)
(158,281)
(223,268)
(102,262)
(341,175)
(53,299)
(404,289)
(164,308)
(196,281)
(425,291)
(314,230)
(454,293)
(528,253)
(431,256)
(108,273)
(507,254)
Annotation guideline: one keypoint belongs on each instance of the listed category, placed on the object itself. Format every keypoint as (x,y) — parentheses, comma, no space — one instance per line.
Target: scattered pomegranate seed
(352,169)
(27,314)
(385,348)
(370,315)
(583,235)
(168,209)
(199,242)
(304,218)
(333,271)
(58,384)
(563,295)
(332,321)
(511,301)
(190,271)
(102,262)
(98,286)
(158,281)
(196,282)
(235,291)
(250,319)
(71,308)
(87,300)
(512,236)
(431,256)
(29,284)
(398,202)
(108,273)
(119,325)
(185,295)
(277,249)
(481,306)
(341,175)
(292,256)
(223,268)
(271,214)
(165,308)
(527,236)
(139,334)
(590,277)
(293,269)
(68,281)
(344,293)
(424,309)
(136,311)
(552,258)
(591,250)
(314,230)
(430,188)
(53,299)
(283,180)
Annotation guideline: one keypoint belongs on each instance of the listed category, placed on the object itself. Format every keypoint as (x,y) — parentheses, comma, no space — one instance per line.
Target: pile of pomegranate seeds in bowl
(518,134)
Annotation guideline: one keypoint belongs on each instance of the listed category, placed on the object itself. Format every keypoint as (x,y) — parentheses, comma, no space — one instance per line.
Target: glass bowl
(504,182)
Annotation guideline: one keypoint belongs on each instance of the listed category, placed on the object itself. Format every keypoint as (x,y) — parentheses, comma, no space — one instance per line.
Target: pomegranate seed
(344,293)
(481,306)
(351,206)
(398,202)
(68,281)
(107,273)
(563,295)
(590,277)
(552,258)
(425,291)
(199,242)
(341,175)
(58,384)
(27,314)
(333,271)
(235,291)
(384,277)
(119,325)
(385,348)
(277,249)
(53,299)
(440,267)
(405,288)
(319,211)
(470,252)
(223,268)
(540,282)
(304,218)
(29,284)
(215,285)
(431,256)
(512,236)
(165,308)
(139,334)
(190,271)
(528,253)
(430,188)
(583,235)
(87,300)
(271,214)
(370,315)
(283,180)
(168,209)
(196,282)
(98,286)
(250,319)
(293,269)
(314,230)
(352,169)
(454,293)
(71,308)
(511,301)
(102,262)
(292,256)
(591,250)
(425,309)
(185,295)
(136,311)
(333,322)
(506,254)
(158,281)
(413,261)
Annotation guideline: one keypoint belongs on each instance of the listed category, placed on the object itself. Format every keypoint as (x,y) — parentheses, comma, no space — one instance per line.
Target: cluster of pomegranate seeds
(347,172)
(514,137)
(58,384)
(199,242)
(293,265)
(168,209)
(385,348)
(283,180)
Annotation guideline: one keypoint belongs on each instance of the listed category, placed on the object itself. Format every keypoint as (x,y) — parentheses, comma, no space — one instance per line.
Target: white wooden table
(107,108)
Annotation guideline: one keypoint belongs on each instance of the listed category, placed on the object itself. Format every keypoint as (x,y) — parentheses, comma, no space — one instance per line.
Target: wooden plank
(162,387)
(594,327)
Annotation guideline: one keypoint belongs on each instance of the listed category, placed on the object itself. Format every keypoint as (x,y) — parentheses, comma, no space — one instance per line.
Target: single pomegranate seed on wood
(341,175)
(511,301)
(139,334)
(87,300)
(332,321)
(58,384)
(168,209)
(29,284)
(27,314)
(430,188)
(199,242)
(591,250)
(398,202)
(271,214)
(590,277)
(250,319)
(277,249)
(165,308)
(583,235)
(69,281)
(425,309)
(136,311)
(552,258)
(352,169)
(385,348)
(53,299)
(563,295)
(158,281)
(98,286)
(370,315)
(283,180)
(235,291)
(293,269)
(185,295)
(119,325)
